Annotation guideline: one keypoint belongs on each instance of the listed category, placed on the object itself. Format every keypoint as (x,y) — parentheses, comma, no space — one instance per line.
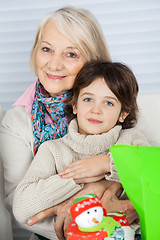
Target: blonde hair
(81,28)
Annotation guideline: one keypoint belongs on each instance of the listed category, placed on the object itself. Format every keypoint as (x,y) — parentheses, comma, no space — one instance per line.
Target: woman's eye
(46,49)
(87,100)
(72,55)
(108,103)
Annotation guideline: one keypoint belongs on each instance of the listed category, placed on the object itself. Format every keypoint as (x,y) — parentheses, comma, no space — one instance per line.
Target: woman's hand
(42,215)
(62,210)
(63,219)
(98,188)
(131,213)
(111,202)
(94,166)
(110,199)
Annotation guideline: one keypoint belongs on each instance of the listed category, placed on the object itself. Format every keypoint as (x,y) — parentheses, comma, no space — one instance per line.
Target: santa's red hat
(84,203)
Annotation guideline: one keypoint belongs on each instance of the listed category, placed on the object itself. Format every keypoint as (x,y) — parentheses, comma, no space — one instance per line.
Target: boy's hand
(89,179)
(95,166)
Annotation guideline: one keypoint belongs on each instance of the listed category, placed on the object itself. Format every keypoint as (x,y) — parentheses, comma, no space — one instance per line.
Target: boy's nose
(96,109)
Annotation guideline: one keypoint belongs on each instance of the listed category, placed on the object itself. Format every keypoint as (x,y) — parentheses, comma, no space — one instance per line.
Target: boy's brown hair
(120,80)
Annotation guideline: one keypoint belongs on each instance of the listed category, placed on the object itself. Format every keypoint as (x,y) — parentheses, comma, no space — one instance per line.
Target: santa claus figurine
(91,221)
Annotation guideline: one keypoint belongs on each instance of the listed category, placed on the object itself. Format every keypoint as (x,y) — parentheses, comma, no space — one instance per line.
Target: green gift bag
(139,171)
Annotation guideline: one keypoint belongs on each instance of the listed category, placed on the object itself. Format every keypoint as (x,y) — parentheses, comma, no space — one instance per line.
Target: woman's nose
(55,63)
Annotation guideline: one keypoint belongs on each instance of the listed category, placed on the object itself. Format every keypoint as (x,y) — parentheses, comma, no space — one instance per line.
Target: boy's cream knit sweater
(42,187)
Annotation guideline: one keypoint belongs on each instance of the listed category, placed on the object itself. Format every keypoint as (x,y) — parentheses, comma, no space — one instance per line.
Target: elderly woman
(66,39)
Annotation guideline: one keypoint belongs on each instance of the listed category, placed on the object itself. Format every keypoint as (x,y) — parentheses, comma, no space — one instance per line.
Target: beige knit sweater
(42,187)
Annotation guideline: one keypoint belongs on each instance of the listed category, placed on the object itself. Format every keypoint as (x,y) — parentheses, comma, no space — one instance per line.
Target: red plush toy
(92,222)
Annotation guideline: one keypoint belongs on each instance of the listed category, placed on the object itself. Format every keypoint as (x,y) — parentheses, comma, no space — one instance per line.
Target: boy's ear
(123,116)
(74,109)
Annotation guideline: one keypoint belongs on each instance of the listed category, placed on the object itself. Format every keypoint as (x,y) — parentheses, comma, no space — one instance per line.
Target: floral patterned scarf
(53,106)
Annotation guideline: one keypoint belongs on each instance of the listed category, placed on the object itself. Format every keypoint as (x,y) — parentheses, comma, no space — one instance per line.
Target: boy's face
(97,109)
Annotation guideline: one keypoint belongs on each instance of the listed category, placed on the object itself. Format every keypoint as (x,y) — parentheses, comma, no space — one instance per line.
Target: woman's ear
(74,109)
(123,116)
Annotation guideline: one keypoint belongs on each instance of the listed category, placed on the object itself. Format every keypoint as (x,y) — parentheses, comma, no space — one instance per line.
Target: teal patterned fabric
(53,106)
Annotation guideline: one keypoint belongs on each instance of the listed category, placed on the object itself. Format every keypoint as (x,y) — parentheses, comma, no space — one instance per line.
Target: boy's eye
(87,100)
(108,103)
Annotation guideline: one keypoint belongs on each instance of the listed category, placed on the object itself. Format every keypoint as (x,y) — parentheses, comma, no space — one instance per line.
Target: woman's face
(58,61)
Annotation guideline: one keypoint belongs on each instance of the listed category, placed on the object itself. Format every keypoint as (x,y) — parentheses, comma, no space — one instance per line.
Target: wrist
(107,166)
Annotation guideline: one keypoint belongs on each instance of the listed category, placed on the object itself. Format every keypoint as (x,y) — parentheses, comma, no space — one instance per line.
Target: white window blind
(131,29)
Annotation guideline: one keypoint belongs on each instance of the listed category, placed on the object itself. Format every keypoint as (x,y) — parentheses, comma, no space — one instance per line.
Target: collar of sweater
(90,144)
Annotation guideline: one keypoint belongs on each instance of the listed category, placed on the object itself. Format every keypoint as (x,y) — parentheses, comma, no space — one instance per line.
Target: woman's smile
(55,77)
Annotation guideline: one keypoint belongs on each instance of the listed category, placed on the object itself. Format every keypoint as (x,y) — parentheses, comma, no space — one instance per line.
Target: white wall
(131,28)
